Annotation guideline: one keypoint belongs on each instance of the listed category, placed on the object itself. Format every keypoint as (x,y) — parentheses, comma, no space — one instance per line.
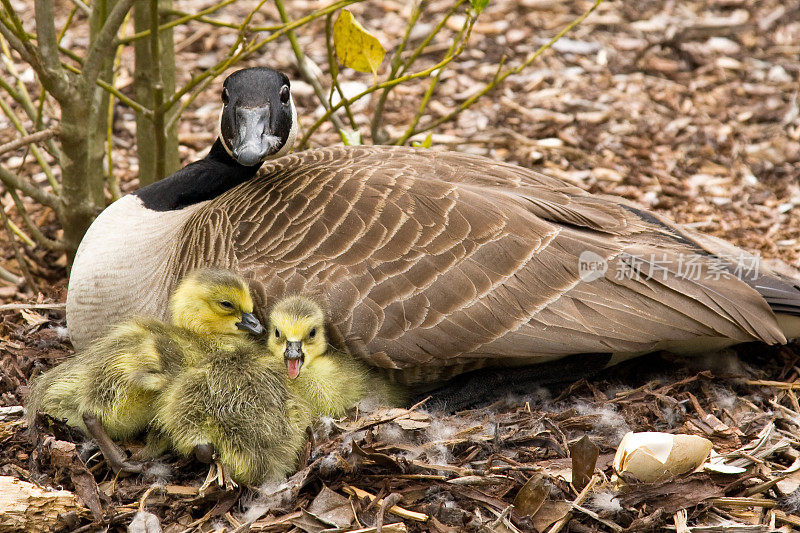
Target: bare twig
(38,236)
(303,63)
(197,83)
(498,79)
(184,18)
(82,6)
(18,254)
(378,136)
(579,499)
(388,83)
(104,41)
(12,181)
(334,69)
(50,71)
(17,307)
(463,36)
(39,136)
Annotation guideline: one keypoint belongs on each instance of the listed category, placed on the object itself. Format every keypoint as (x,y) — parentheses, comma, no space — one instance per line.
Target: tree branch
(235,57)
(464,35)
(185,17)
(378,135)
(99,50)
(39,136)
(12,181)
(47,40)
(500,77)
(303,64)
(17,44)
(38,236)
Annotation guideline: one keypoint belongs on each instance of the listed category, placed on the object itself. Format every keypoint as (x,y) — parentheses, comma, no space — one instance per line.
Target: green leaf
(426,143)
(350,138)
(356,47)
(478,6)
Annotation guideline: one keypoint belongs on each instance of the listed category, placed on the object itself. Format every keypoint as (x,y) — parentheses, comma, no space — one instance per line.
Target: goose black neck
(196,182)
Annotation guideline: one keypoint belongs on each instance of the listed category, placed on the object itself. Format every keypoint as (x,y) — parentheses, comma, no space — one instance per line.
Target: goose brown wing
(446,261)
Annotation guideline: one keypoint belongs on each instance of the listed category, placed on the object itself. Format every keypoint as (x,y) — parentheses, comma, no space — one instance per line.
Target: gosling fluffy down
(118,377)
(239,401)
(330,380)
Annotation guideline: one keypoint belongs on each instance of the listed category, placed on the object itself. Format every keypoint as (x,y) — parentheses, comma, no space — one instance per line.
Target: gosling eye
(284,94)
(225,95)
(226,304)
(312,333)
(277,334)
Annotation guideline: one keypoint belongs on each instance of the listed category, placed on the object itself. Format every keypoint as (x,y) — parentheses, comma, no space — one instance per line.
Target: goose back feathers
(432,264)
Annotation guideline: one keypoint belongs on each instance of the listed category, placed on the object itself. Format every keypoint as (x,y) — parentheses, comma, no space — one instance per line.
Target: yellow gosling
(330,380)
(237,400)
(118,377)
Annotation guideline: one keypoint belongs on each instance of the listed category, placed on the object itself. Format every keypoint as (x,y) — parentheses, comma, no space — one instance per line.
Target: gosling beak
(254,138)
(250,324)
(293,357)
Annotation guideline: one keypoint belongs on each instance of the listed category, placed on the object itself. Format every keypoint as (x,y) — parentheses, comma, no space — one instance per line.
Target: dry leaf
(356,47)
(531,496)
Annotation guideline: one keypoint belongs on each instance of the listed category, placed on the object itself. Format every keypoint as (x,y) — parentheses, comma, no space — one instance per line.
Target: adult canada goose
(109,388)
(431,264)
(329,380)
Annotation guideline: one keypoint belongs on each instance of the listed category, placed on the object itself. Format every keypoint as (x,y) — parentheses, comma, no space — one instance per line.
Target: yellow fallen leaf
(356,47)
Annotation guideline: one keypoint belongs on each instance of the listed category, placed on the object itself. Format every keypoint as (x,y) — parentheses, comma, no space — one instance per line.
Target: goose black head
(258,119)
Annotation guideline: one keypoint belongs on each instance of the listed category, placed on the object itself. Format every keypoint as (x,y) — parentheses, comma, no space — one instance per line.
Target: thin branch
(388,83)
(200,82)
(82,6)
(379,137)
(12,181)
(424,44)
(37,154)
(44,307)
(334,69)
(463,36)
(16,24)
(184,18)
(498,79)
(38,236)
(46,38)
(18,255)
(39,136)
(104,41)
(10,277)
(158,95)
(133,104)
(303,64)
(18,45)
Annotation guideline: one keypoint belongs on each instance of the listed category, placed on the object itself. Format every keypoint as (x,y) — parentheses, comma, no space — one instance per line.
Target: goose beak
(254,139)
(293,357)
(250,324)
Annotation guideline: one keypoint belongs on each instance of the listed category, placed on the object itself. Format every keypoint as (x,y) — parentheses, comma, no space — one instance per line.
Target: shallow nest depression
(689,109)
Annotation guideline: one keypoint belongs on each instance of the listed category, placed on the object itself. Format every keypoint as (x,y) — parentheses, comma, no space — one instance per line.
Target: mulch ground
(688,108)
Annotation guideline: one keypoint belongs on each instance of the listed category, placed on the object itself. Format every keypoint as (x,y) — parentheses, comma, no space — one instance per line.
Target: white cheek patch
(287,146)
(222,137)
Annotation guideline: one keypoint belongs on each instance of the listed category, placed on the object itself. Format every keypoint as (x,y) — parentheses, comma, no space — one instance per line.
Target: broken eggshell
(653,456)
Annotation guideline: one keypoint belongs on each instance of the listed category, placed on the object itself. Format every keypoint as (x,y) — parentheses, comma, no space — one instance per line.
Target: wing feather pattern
(436,263)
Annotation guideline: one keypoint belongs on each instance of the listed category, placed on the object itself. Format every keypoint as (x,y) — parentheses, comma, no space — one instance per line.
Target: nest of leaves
(538,463)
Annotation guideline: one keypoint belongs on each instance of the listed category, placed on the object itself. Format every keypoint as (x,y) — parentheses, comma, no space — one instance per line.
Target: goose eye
(226,304)
(277,334)
(285,94)
(312,333)
(225,95)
